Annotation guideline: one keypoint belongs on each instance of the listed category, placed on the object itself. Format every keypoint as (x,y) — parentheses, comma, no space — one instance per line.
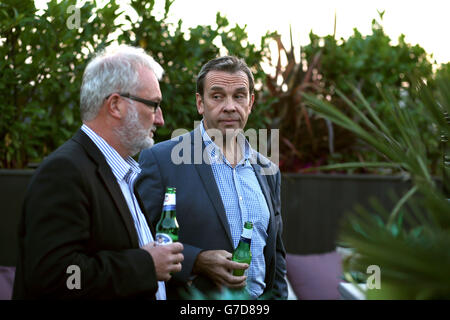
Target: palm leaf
(411,247)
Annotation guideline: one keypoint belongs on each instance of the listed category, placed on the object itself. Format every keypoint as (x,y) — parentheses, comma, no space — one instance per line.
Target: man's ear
(114,107)
(200,105)
(252,101)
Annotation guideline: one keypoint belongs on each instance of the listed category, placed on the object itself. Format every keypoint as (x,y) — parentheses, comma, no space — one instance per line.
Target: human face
(140,121)
(133,135)
(226,102)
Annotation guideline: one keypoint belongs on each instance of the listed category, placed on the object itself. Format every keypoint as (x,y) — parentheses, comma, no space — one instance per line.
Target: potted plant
(409,247)
(313,200)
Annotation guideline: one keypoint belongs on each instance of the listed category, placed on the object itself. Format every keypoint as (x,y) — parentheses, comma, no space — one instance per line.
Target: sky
(426,23)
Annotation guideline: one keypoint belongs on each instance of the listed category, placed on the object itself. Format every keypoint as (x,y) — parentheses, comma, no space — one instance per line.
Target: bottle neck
(247,233)
(169,202)
(245,241)
(168,213)
(169,207)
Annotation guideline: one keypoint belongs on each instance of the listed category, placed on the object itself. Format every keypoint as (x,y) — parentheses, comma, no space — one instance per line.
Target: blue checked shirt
(126,172)
(243,201)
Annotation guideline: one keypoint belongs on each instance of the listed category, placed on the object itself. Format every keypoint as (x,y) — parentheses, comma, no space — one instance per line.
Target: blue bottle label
(169,202)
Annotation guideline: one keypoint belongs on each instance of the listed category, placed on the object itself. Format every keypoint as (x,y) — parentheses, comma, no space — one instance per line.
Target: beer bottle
(167,226)
(242,254)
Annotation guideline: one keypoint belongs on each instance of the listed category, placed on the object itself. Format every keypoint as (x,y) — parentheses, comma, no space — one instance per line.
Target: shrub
(44,61)
(307,140)
(42,65)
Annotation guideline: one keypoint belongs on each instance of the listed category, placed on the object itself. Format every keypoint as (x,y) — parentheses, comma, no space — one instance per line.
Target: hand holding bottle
(167,259)
(217,265)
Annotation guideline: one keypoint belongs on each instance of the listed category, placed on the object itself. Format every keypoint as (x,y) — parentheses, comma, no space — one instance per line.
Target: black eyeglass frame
(148,103)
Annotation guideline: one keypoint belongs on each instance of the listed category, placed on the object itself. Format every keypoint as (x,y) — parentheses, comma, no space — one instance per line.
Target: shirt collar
(119,166)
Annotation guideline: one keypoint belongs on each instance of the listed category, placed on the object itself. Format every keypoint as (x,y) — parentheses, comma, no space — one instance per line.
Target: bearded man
(84,232)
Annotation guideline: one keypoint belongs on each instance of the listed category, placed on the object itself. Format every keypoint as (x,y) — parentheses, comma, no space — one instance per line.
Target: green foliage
(409,246)
(413,260)
(44,62)
(42,65)
(327,64)
(366,61)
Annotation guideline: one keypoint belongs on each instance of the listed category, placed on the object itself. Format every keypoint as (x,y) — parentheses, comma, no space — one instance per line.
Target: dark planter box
(13,184)
(313,204)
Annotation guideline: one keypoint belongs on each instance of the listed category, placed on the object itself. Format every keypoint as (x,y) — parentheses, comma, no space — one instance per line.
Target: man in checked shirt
(221,183)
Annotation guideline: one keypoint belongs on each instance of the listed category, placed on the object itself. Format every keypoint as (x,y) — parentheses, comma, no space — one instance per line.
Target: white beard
(133,136)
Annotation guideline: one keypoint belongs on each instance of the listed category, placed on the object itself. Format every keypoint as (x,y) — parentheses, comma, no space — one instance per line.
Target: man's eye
(217,96)
(240,96)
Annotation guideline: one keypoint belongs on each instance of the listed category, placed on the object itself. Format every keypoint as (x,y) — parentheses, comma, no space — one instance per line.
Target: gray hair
(116,69)
(229,64)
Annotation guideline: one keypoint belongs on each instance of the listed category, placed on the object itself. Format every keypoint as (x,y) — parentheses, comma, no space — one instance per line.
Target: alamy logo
(73,22)
(263,141)
(74,280)
(373,281)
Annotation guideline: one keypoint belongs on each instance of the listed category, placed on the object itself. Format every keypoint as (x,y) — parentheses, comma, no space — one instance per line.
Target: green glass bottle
(167,226)
(243,254)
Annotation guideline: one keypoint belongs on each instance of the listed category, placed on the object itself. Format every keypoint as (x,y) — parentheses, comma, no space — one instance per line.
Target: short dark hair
(229,64)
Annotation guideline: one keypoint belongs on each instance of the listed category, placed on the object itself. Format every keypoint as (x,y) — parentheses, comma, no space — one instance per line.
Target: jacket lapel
(117,195)
(204,170)
(271,228)
(264,187)
(110,184)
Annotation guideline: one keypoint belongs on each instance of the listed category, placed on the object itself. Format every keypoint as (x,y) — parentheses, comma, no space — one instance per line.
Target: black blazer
(201,213)
(74,213)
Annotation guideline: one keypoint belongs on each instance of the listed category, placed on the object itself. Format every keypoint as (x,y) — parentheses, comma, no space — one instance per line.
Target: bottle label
(169,202)
(163,239)
(247,233)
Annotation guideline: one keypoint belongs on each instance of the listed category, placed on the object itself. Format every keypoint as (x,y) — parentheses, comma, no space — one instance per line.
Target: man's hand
(217,265)
(167,259)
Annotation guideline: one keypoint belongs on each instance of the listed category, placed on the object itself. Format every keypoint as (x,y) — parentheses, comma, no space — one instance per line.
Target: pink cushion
(315,276)
(6,282)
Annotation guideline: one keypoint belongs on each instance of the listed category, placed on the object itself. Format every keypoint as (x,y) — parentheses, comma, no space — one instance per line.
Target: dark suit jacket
(200,211)
(74,213)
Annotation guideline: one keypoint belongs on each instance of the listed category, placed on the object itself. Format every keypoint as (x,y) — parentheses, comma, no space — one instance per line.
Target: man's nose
(159,119)
(230,105)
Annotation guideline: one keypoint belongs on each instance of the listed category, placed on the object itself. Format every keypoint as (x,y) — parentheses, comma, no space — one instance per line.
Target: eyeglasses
(149,103)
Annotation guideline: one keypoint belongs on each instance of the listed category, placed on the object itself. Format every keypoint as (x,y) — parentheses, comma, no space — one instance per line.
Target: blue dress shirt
(243,200)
